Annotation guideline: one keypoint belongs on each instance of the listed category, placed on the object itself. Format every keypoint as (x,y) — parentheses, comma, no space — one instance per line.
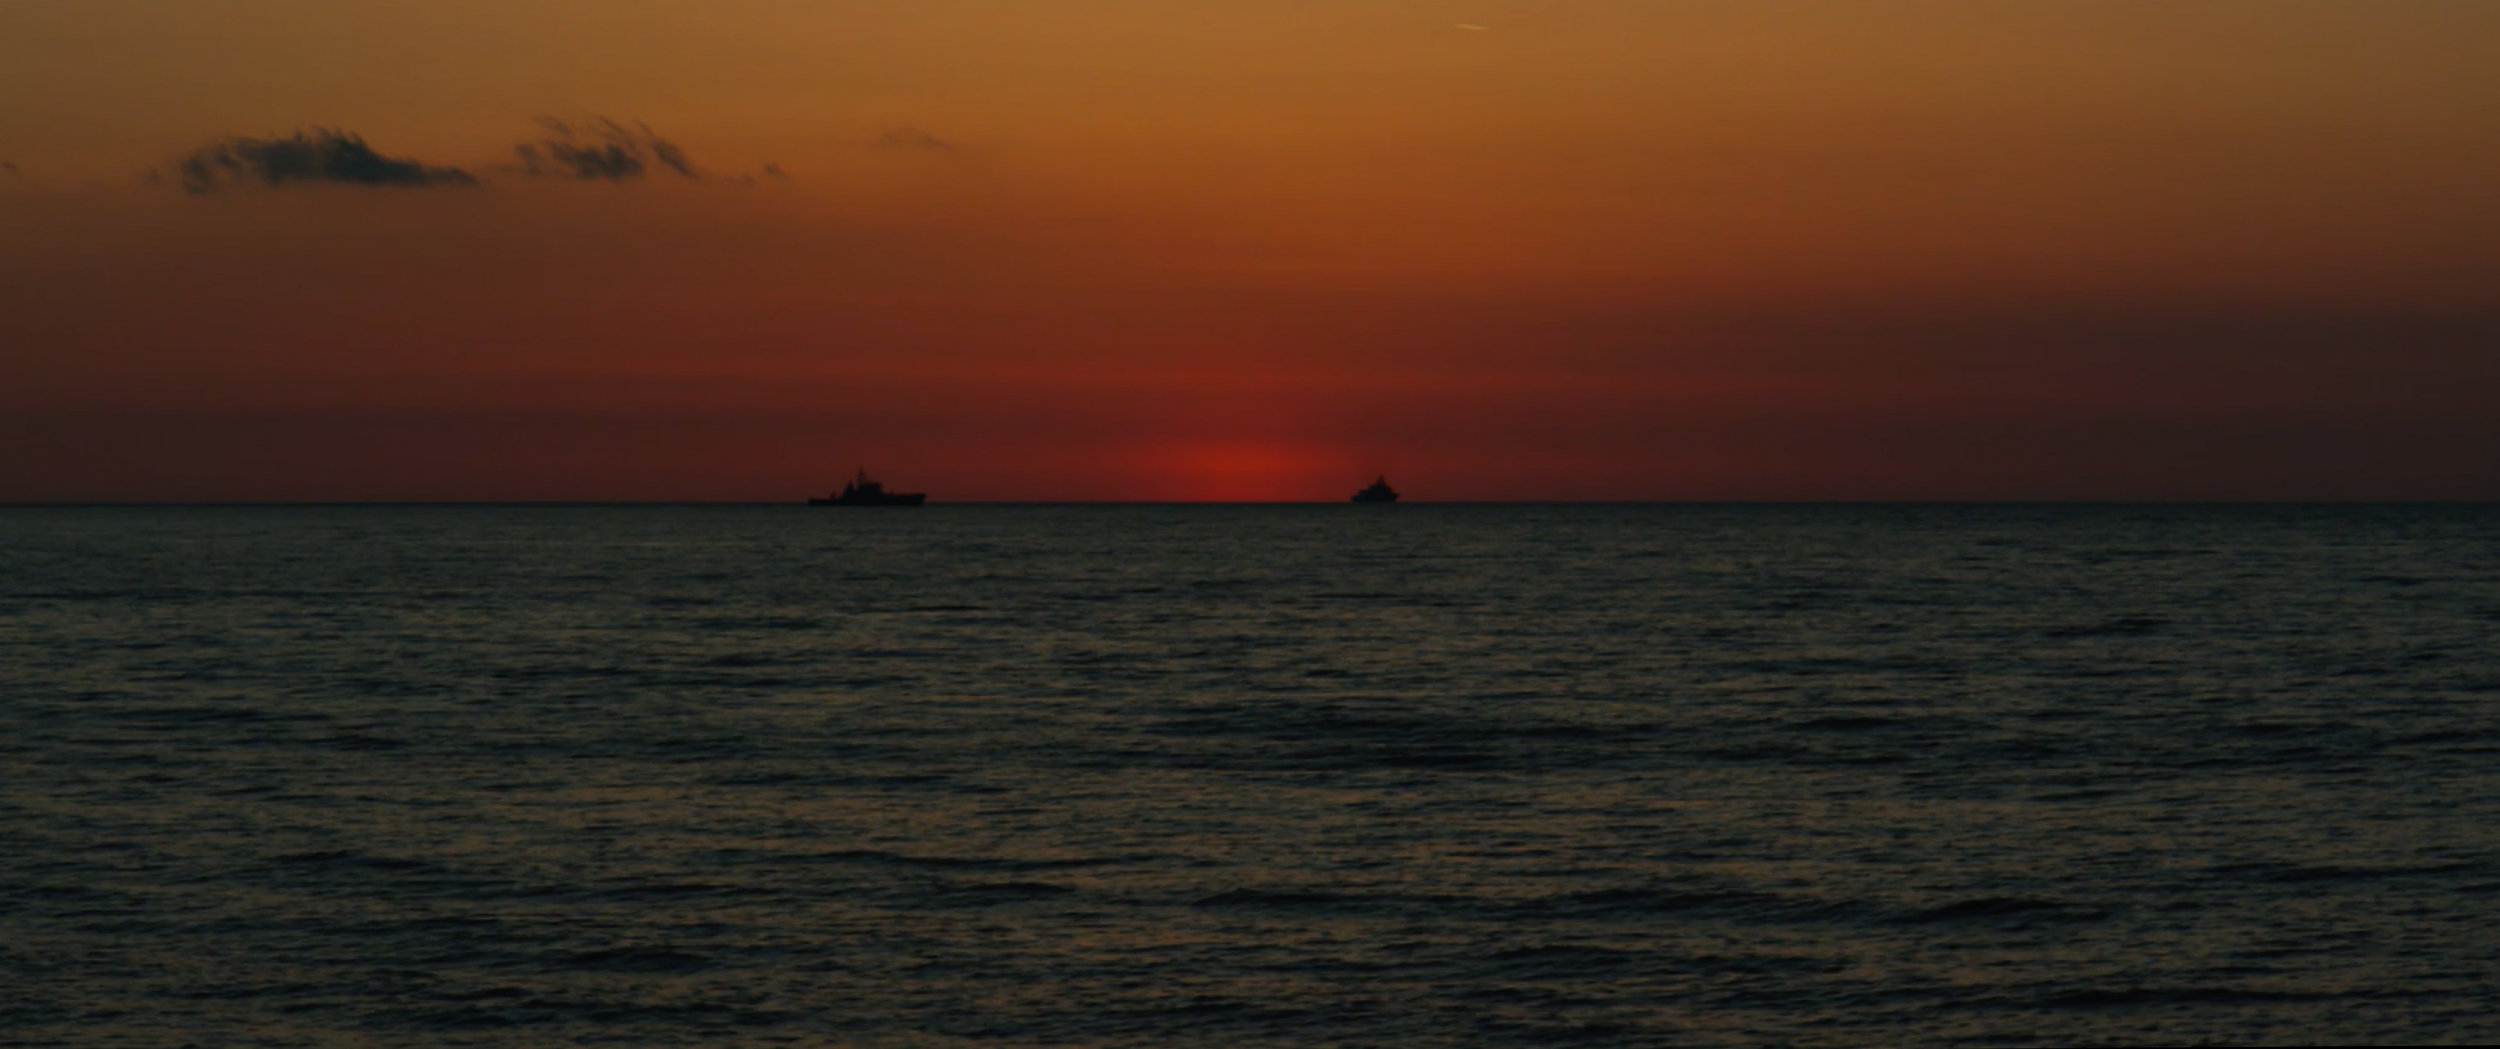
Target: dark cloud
(601,149)
(8,169)
(319,155)
(912,138)
(595,150)
(774,171)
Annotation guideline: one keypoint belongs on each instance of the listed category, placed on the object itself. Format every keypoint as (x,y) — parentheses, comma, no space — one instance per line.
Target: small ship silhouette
(864,492)
(1379,492)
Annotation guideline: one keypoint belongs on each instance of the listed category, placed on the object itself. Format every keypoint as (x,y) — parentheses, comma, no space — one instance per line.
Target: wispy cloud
(601,149)
(912,138)
(319,155)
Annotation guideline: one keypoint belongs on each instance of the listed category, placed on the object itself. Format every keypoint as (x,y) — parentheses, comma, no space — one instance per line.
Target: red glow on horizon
(1234,472)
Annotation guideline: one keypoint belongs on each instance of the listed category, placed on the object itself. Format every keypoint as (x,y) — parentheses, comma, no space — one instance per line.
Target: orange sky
(1136,249)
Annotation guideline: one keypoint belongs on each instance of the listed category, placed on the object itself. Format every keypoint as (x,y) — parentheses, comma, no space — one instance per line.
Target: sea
(1221,775)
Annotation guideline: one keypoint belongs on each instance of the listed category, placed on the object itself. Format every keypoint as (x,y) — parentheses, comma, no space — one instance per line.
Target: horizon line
(800,504)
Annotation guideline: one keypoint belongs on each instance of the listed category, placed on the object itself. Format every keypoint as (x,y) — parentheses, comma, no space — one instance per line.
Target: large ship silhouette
(864,492)
(1379,492)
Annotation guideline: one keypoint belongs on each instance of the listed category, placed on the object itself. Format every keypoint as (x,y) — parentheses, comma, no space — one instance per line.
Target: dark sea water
(1249,776)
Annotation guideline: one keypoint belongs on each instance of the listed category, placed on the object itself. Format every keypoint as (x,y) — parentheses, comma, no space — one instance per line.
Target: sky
(1249,249)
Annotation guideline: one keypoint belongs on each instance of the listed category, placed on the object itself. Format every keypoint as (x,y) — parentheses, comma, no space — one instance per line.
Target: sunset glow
(1109,249)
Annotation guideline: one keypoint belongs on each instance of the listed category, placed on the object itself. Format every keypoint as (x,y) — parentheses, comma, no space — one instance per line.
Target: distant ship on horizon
(865,492)
(1379,492)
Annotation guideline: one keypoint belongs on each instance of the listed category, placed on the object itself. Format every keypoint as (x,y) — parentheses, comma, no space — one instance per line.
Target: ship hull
(1379,492)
